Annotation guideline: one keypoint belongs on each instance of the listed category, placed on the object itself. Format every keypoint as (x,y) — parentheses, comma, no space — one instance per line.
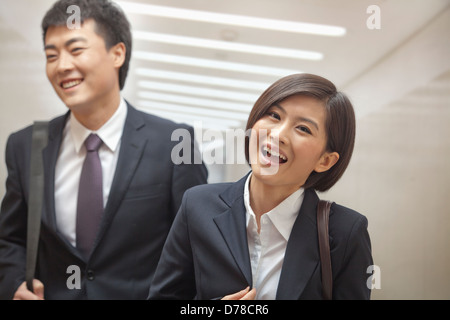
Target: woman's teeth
(274,153)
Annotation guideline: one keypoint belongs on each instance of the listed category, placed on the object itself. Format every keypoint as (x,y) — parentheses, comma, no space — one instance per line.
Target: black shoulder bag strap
(323,213)
(35,198)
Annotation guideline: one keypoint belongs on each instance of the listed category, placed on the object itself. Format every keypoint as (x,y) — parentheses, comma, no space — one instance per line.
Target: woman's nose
(279,134)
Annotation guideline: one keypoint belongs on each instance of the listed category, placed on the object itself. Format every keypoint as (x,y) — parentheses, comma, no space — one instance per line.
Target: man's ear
(326,161)
(119,52)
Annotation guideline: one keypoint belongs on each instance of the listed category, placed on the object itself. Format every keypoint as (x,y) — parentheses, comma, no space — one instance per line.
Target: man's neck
(93,117)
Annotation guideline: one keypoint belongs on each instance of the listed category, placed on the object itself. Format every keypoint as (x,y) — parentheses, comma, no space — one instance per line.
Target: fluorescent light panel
(211,64)
(198,91)
(179,99)
(205,122)
(231,19)
(183,109)
(199,79)
(227,46)
(194,122)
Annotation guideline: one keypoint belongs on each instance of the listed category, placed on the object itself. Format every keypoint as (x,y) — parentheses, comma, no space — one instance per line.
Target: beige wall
(399,178)
(399,175)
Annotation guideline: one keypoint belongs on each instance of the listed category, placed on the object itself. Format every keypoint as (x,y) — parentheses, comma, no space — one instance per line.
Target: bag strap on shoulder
(323,213)
(35,198)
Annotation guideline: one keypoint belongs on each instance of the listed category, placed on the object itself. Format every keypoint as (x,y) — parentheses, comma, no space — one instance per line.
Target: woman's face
(288,143)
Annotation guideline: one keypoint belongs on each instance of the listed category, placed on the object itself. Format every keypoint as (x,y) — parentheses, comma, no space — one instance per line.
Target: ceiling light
(245,108)
(212,64)
(198,111)
(196,121)
(200,79)
(198,91)
(231,19)
(227,46)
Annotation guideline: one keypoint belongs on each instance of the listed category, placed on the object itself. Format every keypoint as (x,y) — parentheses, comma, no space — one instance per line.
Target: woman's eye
(274,115)
(304,129)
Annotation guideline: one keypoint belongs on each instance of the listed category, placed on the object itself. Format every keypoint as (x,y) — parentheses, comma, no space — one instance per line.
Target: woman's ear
(119,52)
(326,161)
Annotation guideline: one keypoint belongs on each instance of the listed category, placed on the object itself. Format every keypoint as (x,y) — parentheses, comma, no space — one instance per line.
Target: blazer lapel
(131,148)
(302,255)
(49,157)
(232,226)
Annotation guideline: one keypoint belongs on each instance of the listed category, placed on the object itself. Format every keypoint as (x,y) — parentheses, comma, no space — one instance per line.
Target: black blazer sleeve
(174,278)
(351,254)
(187,174)
(13,217)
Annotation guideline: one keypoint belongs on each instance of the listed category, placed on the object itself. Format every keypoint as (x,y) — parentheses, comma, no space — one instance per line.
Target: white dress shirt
(70,161)
(267,248)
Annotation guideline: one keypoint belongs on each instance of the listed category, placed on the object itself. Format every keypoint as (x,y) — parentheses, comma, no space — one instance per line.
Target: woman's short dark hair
(111,24)
(340,120)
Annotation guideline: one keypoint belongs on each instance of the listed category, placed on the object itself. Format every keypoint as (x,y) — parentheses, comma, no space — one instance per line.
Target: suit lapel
(131,148)
(232,226)
(49,157)
(302,255)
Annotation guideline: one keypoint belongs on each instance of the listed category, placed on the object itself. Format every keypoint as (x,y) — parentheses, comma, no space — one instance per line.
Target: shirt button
(90,275)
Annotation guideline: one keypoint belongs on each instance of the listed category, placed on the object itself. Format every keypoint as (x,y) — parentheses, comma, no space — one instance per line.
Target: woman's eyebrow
(312,122)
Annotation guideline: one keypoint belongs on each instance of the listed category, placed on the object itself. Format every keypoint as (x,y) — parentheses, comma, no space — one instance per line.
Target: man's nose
(65,62)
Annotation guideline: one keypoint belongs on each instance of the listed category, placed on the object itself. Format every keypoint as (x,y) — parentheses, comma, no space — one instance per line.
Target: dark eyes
(304,129)
(76,50)
(276,116)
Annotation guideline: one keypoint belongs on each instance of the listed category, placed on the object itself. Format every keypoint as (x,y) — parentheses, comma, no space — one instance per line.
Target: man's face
(82,71)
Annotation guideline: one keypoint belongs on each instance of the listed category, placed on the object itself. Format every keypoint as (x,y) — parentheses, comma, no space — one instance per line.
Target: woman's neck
(264,197)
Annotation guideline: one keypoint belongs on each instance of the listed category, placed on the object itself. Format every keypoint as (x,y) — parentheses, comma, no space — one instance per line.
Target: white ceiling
(159,87)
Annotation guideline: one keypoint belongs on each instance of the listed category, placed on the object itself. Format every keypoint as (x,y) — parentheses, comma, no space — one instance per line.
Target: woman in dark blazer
(257,238)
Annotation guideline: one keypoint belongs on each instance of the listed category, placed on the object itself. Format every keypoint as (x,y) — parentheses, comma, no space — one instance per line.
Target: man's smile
(70,83)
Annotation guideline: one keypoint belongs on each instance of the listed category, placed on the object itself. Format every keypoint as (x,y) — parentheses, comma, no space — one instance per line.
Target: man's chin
(74,105)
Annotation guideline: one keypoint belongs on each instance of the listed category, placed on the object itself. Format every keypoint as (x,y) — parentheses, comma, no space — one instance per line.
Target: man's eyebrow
(67,43)
(299,118)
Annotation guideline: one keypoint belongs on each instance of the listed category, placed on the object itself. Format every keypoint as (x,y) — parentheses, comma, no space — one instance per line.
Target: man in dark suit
(141,185)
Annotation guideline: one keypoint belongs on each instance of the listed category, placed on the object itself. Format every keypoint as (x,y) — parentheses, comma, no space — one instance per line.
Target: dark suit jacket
(206,253)
(144,198)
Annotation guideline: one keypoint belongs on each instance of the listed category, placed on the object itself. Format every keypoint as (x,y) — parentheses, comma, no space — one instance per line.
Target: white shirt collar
(282,216)
(110,132)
